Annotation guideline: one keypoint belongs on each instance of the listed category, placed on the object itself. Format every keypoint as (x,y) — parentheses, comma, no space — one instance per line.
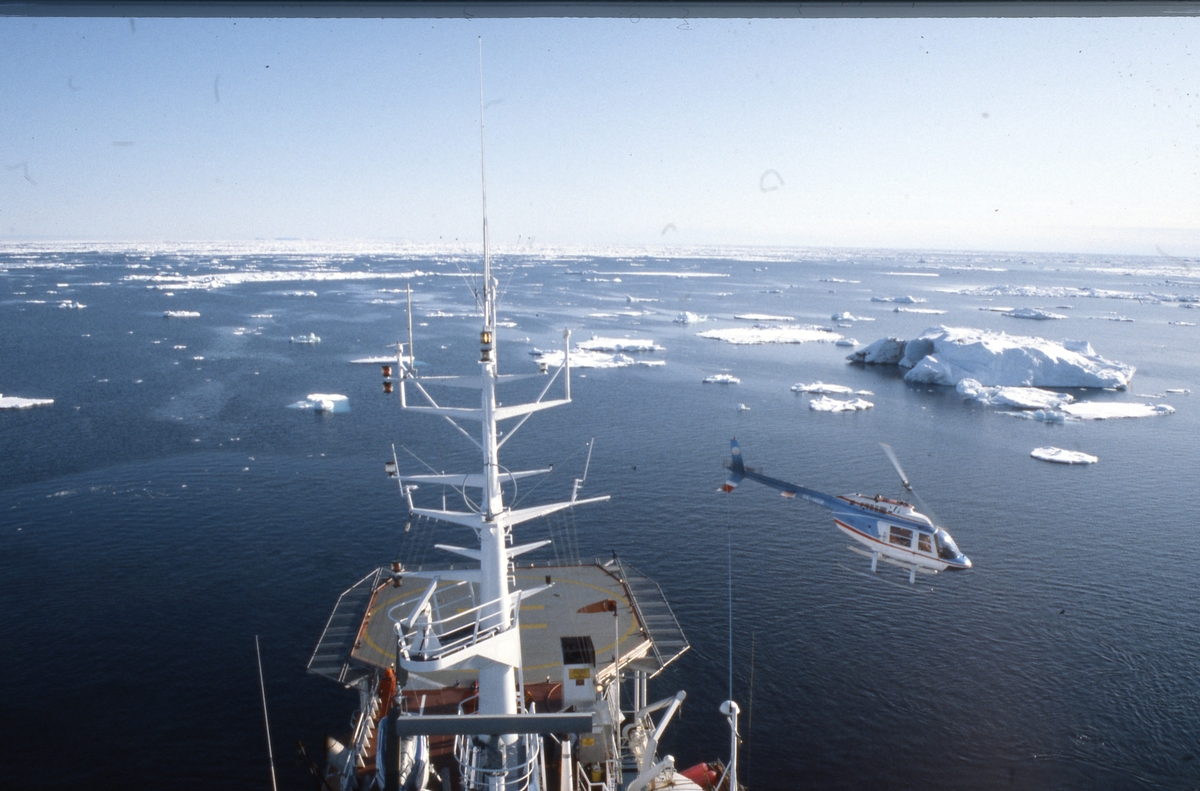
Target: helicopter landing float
(889,529)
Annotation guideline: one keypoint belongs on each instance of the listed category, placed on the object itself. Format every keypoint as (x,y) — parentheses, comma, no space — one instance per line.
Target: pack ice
(948,355)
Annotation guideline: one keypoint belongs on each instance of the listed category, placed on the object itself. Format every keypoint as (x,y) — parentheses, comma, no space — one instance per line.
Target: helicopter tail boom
(739,471)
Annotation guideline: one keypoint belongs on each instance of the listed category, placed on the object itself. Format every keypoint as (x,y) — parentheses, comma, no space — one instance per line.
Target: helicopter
(890,529)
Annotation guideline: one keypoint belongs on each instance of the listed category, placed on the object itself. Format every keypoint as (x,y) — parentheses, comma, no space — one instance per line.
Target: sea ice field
(162,503)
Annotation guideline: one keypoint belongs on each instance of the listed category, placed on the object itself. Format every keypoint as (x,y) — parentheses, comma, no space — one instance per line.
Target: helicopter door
(925,543)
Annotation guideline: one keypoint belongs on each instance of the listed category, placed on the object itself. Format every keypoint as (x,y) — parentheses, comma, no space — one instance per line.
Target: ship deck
(359,639)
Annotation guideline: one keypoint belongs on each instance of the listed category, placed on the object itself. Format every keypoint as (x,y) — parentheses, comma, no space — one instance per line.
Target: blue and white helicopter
(891,529)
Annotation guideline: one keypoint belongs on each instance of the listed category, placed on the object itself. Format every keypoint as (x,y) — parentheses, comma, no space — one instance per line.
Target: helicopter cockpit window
(923,542)
(901,536)
(947,549)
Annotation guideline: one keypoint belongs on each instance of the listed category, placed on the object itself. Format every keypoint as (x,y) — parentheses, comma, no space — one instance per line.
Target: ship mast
(493,646)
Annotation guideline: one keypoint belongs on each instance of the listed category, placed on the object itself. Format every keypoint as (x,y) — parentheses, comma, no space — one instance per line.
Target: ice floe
(1060,456)
(772,334)
(380,360)
(836,280)
(930,311)
(224,279)
(850,342)
(899,300)
(66,303)
(687,317)
(599,344)
(14,402)
(181,314)
(820,387)
(1033,313)
(721,379)
(1094,410)
(324,402)
(948,355)
(310,338)
(762,317)
(827,404)
(1019,397)
(846,316)
(298,293)
(581,358)
(632,299)
(743,408)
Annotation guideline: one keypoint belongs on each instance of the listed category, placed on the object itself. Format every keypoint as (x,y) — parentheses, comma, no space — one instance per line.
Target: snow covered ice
(906,300)
(820,387)
(721,379)
(599,344)
(762,317)
(687,317)
(772,334)
(181,314)
(1092,410)
(1033,313)
(324,402)
(948,355)
(14,402)
(1060,456)
(827,404)
(1019,397)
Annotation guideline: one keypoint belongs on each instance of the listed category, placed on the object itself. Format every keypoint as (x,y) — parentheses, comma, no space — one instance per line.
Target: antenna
(487,257)
(262,686)
(412,356)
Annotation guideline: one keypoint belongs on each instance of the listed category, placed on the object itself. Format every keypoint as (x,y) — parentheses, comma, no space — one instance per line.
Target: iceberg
(721,379)
(181,314)
(899,300)
(66,303)
(598,344)
(690,318)
(948,355)
(310,338)
(827,404)
(1019,397)
(851,342)
(324,402)
(1032,313)
(13,402)
(1060,456)
(770,334)
(820,387)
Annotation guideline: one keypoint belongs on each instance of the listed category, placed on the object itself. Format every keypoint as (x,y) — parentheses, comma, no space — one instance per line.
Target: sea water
(169,506)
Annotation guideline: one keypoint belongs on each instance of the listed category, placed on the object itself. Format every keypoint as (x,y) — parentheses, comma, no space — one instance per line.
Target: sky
(1067,135)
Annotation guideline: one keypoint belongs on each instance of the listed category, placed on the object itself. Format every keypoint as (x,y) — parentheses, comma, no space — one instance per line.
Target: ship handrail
(516,777)
(481,628)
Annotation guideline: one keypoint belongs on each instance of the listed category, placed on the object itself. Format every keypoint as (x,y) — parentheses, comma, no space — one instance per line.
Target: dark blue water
(166,509)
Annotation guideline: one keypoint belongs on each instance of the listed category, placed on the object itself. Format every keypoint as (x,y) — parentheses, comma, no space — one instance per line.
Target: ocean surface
(169,506)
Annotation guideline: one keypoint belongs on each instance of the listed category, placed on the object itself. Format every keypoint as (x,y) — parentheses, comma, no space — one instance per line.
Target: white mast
(494,647)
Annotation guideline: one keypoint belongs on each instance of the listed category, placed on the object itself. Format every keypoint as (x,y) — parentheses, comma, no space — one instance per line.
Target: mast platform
(360,638)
